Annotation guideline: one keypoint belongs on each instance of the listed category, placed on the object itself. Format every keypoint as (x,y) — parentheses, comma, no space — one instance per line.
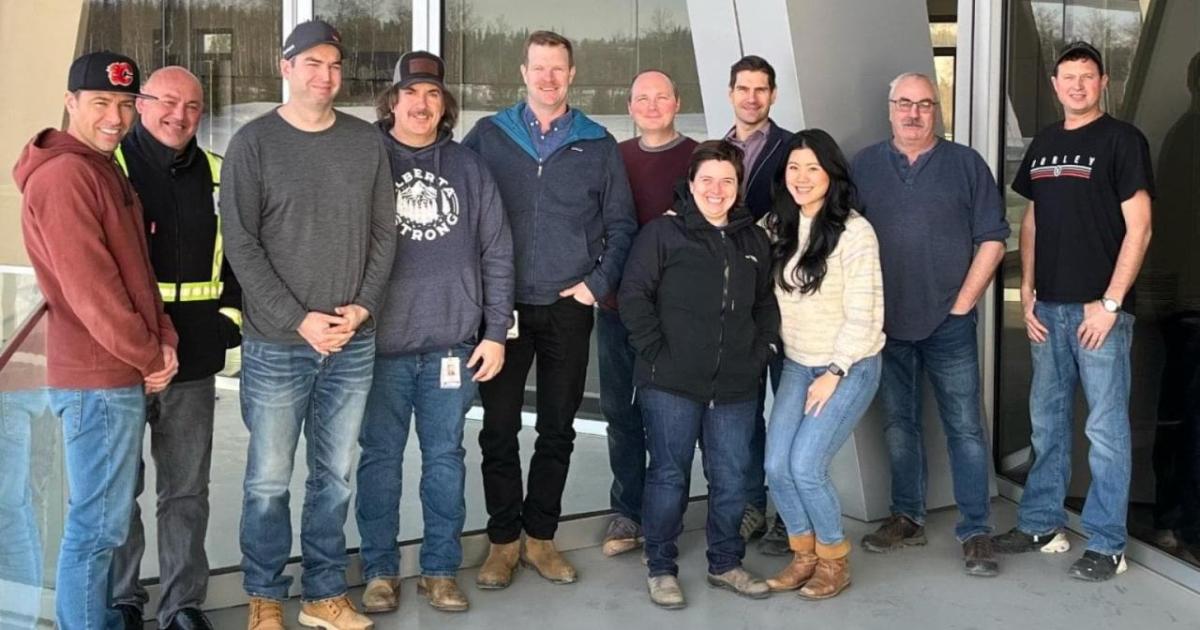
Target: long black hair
(830,221)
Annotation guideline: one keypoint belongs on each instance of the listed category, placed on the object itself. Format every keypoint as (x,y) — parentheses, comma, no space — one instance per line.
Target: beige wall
(37,42)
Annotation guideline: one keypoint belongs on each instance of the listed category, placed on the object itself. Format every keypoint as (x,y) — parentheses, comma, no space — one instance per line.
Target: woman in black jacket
(697,300)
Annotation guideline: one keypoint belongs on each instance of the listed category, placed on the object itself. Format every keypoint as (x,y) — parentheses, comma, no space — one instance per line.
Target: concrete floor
(920,588)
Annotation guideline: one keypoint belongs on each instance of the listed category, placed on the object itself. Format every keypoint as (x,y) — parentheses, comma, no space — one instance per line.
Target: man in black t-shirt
(1088,178)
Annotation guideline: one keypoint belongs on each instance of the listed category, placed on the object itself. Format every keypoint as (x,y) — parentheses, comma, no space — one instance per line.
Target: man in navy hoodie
(567,196)
(440,333)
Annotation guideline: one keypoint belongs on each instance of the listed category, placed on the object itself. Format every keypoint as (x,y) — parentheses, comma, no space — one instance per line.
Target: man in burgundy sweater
(654,161)
(109,341)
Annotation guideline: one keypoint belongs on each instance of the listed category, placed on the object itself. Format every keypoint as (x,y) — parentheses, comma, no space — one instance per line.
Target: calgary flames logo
(120,73)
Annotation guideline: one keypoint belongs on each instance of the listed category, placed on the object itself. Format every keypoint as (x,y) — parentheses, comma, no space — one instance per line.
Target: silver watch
(1110,305)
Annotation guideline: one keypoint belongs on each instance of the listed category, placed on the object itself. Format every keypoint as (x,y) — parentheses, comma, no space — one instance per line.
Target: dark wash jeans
(626,434)
(673,424)
(950,358)
(558,335)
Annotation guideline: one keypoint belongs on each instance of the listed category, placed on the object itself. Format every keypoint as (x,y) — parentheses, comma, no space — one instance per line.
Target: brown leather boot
(265,614)
(497,571)
(443,593)
(832,574)
(800,569)
(547,561)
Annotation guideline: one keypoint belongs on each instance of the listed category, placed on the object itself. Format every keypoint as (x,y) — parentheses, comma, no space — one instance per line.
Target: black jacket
(699,305)
(181,229)
(761,178)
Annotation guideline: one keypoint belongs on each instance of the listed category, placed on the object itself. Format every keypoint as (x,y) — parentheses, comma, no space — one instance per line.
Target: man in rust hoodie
(109,341)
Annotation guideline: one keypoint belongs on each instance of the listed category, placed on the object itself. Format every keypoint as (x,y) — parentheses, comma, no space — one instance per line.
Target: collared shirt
(550,141)
(751,148)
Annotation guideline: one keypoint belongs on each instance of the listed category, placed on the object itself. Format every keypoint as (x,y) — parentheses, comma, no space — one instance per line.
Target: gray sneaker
(623,535)
(741,582)
(665,592)
(896,532)
(775,541)
(754,523)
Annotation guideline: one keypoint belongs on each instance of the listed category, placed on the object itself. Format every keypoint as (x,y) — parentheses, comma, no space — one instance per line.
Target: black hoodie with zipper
(699,304)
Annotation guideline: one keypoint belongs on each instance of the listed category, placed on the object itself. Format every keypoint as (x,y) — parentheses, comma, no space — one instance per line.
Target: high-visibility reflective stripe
(233,314)
(190,291)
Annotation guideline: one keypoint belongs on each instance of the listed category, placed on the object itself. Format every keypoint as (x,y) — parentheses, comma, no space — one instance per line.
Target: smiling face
(806,180)
(715,189)
(99,119)
(418,112)
(548,74)
(1078,85)
(752,97)
(314,76)
(174,115)
(653,103)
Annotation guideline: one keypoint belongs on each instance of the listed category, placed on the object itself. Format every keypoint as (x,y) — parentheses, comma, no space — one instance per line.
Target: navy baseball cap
(309,34)
(105,71)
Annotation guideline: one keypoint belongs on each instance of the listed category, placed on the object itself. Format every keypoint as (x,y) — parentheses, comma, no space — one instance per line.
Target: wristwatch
(835,370)
(1110,305)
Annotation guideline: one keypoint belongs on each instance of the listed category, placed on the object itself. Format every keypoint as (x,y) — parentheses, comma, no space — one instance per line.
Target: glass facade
(1152,54)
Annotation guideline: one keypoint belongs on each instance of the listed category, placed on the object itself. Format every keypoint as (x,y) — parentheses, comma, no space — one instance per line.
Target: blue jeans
(756,474)
(21,543)
(950,358)
(286,388)
(673,424)
(626,435)
(800,445)
(102,429)
(405,384)
(1059,365)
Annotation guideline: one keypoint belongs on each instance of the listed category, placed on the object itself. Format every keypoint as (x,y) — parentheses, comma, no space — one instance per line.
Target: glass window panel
(375,33)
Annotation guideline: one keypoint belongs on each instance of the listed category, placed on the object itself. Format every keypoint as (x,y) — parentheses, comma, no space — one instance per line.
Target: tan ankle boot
(800,569)
(547,561)
(832,574)
(497,571)
(381,595)
(443,593)
(335,613)
(265,614)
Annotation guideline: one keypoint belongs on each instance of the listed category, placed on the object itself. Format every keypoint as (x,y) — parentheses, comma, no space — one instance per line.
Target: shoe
(978,558)
(754,523)
(1017,541)
(665,592)
(896,532)
(497,571)
(1097,567)
(189,619)
(265,614)
(335,613)
(741,582)
(443,593)
(800,569)
(1166,539)
(775,541)
(131,616)
(381,595)
(544,558)
(623,535)
(832,575)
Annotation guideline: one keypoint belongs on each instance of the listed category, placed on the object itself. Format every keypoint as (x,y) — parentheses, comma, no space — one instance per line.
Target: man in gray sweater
(441,332)
(307,217)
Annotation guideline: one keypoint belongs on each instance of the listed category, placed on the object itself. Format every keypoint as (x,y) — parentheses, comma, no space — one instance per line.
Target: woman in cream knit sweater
(830,292)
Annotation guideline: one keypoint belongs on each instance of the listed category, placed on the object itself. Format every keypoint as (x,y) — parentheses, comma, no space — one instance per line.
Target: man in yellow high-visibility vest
(176,181)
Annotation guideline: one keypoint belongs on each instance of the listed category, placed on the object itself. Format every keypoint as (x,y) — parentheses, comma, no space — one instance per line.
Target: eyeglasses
(924,106)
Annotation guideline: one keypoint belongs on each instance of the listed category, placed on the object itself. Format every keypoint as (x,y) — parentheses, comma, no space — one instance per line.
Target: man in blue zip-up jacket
(567,196)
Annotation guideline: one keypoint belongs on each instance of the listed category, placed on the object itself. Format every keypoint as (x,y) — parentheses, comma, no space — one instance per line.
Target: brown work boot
(896,532)
(741,582)
(623,535)
(335,613)
(547,561)
(800,569)
(443,593)
(381,595)
(497,571)
(832,574)
(265,614)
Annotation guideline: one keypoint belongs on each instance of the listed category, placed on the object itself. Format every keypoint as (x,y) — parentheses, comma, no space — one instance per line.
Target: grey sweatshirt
(453,269)
(307,219)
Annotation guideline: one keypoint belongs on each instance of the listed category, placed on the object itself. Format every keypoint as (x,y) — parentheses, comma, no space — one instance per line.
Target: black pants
(558,335)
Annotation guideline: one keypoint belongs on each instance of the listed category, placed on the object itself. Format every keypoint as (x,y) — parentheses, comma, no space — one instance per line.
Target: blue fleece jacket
(571,214)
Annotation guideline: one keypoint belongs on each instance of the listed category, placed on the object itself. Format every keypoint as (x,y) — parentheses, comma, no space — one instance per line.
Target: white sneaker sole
(1059,544)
